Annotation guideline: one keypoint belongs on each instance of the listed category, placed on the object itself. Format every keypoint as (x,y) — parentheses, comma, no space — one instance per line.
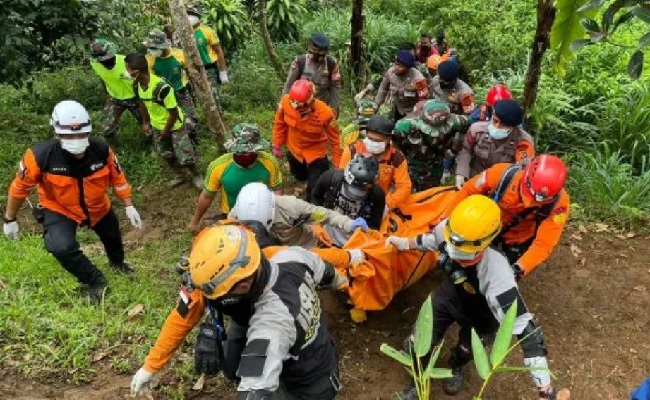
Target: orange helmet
(433,61)
(221,257)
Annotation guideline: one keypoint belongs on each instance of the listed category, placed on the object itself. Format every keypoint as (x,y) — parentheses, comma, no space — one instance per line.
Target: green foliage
(567,28)
(486,366)
(230,21)
(421,347)
(607,188)
(283,18)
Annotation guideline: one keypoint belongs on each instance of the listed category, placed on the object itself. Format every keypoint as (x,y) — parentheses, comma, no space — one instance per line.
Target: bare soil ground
(591,300)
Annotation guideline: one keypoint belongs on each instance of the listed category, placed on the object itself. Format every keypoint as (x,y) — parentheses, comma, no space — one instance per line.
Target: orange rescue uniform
(546,235)
(64,194)
(307,137)
(394,176)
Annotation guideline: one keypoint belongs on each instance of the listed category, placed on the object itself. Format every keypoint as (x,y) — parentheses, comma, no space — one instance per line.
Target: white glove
(400,243)
(141,381)
(356,256)
(339,282)
(11,230)
(446,177)
(223,76)
(134,217)
(460,181)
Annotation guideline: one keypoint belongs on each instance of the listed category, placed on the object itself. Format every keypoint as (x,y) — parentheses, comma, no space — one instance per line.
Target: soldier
(449,88)
(111,68)
(431,142)
(164,119)
(405,84)
(247,161)
(170,64)
(209,46)
(502,140)
(319,68)
(72,173)
(365,109)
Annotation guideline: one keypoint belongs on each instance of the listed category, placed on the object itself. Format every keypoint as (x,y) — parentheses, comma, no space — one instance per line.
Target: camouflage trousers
(113,110)
(424,174)
(215,83)
(177,145)
(184,99)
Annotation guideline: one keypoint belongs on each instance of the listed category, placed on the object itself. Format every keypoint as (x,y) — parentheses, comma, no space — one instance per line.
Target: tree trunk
(541,42)
(197,73)
(356,36)
(268,45)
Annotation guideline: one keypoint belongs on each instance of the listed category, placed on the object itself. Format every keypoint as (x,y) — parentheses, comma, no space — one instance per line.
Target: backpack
(302,61)
(541,212)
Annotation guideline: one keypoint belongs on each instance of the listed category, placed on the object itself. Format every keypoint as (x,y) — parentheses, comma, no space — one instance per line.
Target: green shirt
(205,39)
(118,82)
(157,113)
(223,173)
(170,68)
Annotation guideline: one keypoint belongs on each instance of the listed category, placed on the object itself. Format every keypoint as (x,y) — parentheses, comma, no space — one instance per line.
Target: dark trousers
(321,389)
(60,234)
(514,251)
(469,311)
(309,172)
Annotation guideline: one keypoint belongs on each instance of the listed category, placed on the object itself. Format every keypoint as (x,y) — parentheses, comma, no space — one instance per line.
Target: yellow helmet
(221,257)
(473,224)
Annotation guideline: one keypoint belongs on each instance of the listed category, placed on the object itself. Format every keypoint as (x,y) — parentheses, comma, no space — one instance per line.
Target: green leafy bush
(230,21)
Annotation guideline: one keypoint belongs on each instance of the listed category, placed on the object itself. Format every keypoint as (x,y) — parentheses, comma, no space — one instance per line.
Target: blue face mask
(497,134)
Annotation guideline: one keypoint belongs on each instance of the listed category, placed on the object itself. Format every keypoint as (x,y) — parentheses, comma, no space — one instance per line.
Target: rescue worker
(432,65)
(209,47)
(502,140)
(394,177)
(405,85)
(170,64)
(306,126)
(431,142)
(534,207)
(319,68)
(424,48)
(164,119)
(449,53)
(277,345)
(365,109)
(289,220)
(246,161)
(111,69)
(72,173)
(352,192)
(496,93)
(446,86)
(478,291)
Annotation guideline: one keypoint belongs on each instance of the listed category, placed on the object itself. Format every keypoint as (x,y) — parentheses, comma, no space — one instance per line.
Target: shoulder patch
(397,158)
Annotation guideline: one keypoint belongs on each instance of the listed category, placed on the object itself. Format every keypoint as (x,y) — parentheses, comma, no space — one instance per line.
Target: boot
(123,268)
(95,292)
(459,358)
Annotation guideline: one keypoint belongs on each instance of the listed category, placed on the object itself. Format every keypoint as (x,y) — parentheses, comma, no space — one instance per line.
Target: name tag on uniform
(409,93)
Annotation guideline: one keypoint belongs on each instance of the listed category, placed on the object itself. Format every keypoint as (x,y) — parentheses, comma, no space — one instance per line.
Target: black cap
(448,70)
(380,124)
(509,112)
(320,40)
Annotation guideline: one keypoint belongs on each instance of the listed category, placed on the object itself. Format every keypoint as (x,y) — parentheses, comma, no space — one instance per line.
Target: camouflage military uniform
(246,139)
(177,145)
(430,142)
(113,110)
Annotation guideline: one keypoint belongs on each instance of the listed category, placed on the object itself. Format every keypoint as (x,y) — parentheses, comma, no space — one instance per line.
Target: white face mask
(155,52)
(456,254)
(496,133)
(75,146)
(193,19)
(374,147)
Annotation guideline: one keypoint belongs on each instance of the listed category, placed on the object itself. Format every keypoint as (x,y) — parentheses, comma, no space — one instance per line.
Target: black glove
(518,270)
(207,352)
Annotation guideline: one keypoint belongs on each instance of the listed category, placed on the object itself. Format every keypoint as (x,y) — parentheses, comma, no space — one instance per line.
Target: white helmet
(255,203)
(70,117)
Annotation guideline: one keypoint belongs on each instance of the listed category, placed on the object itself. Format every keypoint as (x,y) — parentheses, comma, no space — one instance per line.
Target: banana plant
(421,346)
(229,19)
(282,17)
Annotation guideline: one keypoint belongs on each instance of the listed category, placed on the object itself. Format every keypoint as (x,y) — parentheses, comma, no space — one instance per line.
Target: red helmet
(496,93)
(301,93)
(544,178)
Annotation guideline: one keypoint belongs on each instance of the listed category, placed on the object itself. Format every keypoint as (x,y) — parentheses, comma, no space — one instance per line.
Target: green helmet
(366,108)
(247,138)
(435,119)
(157,40)
(403,127)
(102,49)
